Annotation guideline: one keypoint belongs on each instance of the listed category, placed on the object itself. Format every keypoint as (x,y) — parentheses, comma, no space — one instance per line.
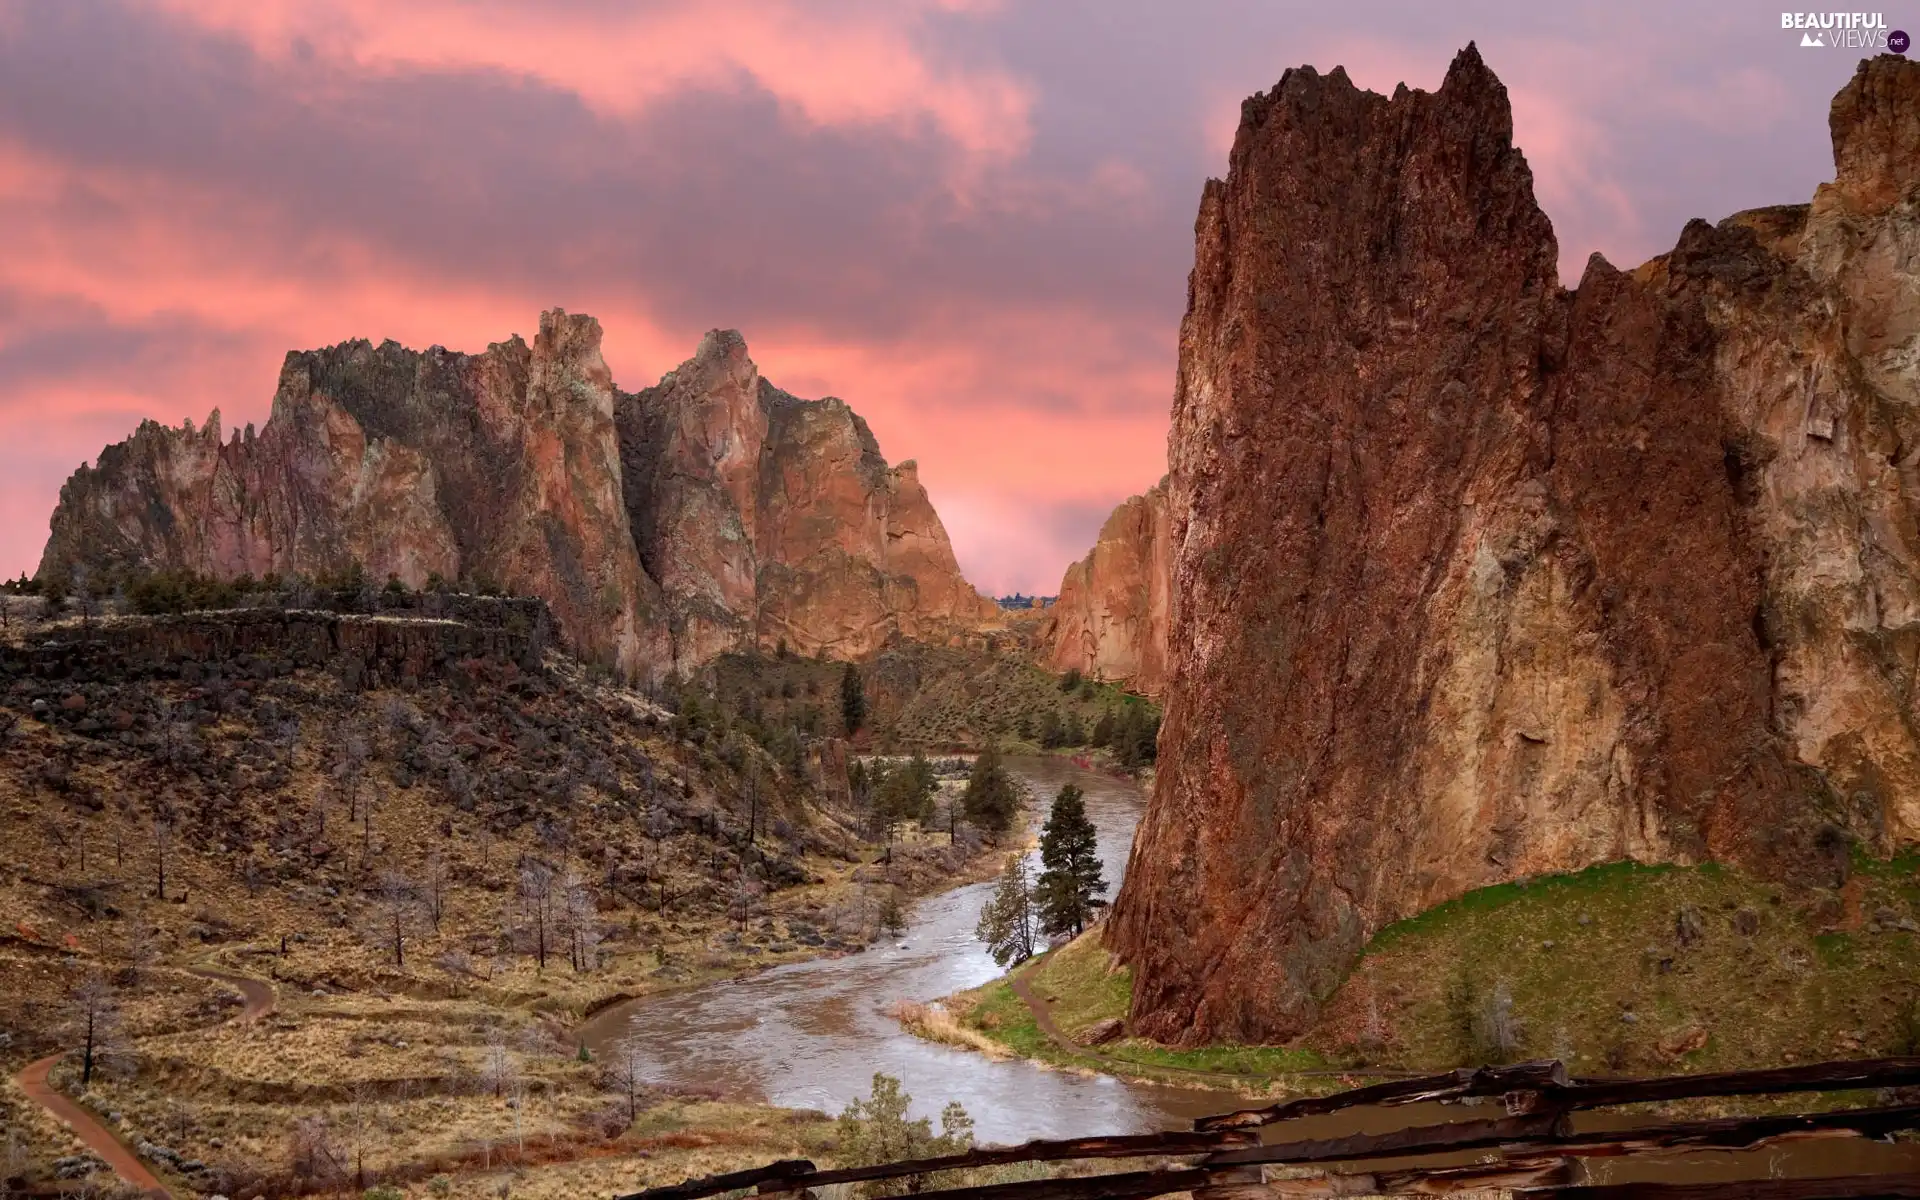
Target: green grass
(1575,952)
(1595,970)
(1085,987)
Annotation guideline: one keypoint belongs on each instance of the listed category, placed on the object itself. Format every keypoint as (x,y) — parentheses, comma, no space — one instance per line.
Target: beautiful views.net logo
(1845,31)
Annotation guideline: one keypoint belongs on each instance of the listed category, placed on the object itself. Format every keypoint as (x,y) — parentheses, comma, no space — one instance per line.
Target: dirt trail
(258,993)
(99,1139)
(33,1080)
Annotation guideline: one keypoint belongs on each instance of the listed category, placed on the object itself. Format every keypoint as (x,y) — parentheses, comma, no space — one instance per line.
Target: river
(812,1034)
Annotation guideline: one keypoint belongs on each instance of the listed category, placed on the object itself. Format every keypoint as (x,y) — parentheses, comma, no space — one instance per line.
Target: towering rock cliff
(1480,578)
(773,519)
(502,467)
(1110,621)
(662,528)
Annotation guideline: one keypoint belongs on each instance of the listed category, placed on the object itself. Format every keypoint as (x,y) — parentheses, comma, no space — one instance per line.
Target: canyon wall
(1110,620)
(662,528)
(1481,578)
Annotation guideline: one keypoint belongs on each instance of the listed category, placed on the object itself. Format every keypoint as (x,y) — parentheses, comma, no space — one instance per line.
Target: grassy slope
(1596,970)
(1083,987)
(1600,975)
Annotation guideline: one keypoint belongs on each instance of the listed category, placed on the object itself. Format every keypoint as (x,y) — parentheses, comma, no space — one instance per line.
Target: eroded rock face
(1110,620)
(500,467)
(706,513)
(768,518)
(1480,578)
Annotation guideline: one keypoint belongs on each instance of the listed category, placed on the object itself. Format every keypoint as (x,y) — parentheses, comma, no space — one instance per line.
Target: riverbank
(1617,969)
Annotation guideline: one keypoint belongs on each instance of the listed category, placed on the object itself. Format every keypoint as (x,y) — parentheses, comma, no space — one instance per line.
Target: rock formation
(1110,621)
(1480,578)
(769,518)
(661,528)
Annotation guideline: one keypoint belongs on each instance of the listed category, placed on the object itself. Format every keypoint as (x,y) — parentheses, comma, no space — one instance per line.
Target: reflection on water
(812,1034)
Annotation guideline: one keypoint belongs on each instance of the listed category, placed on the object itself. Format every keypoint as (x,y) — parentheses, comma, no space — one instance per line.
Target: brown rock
(1102,1032)
(1481,579)
(768,518)
(706,513)
(1110,620)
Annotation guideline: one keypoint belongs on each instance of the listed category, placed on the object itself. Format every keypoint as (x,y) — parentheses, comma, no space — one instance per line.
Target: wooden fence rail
(1535,1145)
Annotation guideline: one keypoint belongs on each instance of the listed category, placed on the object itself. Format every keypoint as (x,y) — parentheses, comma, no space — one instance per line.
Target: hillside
(425,833)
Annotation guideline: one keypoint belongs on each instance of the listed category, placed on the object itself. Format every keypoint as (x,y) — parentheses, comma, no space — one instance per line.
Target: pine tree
(853,700)
(991,798)
(1006,921)
(1070,885)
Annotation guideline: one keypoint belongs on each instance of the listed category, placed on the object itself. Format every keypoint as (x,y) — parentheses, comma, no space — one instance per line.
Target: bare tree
(434,883)
(536,906)
(93,1016)
(625,1062)
(499,1067)
(397,900)
(579,911)
(349,770)
(161,831)
(745,892)
(311,1148)
(142,947)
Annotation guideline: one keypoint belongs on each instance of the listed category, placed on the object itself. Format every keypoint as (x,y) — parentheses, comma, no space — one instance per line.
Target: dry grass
(936,1023)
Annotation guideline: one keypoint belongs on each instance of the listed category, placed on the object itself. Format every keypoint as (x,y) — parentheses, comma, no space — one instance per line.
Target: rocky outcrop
(500,467)
(1110,620)
(771,519)
(365,650)
(700,515)
(1480,578)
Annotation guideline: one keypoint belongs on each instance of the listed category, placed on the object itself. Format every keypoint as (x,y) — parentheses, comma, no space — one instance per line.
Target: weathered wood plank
(1850,1187)
(1436,1181)
(1553,1131)
(1130,1185)
(1535,1087)
(1449,1085)
(1137,1145)
(713,1185)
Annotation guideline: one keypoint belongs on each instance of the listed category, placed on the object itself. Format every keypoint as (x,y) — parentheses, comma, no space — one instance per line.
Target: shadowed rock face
(703,514)
(767,518)
(1480,578)
(1110,620)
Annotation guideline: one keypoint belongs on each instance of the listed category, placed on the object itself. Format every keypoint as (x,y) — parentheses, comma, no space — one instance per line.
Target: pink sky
(971,219)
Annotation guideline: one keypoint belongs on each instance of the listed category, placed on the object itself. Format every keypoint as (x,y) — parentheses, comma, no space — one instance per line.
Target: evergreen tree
(1072,732)
(1103,728)
(1006,921)
(1050,730)
(853,700)
(992,798)
(1070,885)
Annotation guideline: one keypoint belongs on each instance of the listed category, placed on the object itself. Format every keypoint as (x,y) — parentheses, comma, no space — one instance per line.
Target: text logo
(1898,42)
(1843,31)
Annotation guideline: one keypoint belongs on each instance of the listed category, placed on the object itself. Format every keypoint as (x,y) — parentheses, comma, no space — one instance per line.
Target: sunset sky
(970,219)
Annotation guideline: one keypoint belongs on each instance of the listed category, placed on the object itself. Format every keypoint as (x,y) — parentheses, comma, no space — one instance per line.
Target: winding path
(33,1080)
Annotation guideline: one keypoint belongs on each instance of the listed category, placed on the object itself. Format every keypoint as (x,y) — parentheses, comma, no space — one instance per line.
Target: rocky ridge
(1525,578)
(1110,620)
(703,514)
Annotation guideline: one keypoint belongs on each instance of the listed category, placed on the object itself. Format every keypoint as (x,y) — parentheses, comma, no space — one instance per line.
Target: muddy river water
(812,1034)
